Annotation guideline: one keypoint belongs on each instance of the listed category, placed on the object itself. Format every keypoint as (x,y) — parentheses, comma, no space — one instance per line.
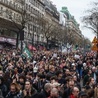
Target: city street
(45,51)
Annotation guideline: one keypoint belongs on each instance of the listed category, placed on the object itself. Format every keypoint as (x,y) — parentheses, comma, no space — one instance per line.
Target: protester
(75,93)
(47,74)
(46,91)
(14,91)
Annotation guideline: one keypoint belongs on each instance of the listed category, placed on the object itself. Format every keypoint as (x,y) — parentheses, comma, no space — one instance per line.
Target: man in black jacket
(46,92)
(68,90)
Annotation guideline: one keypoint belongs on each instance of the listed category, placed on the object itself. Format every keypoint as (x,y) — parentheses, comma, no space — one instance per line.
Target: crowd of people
(48,74)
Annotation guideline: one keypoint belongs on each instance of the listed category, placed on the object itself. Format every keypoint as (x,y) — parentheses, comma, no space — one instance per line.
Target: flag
(26,52)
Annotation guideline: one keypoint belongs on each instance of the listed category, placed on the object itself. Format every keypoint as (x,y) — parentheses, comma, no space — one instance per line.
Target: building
(34,9)
(52,15)
(19,20)
(17,14)
(72,26)
(10,14)
(62,19)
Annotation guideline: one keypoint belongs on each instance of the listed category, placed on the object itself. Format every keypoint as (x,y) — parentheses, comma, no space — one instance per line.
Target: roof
(69,16)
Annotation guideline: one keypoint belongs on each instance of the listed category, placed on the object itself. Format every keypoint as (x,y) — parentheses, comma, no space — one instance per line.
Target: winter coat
(72,96)
(14,95)
(34,94)
(43,94)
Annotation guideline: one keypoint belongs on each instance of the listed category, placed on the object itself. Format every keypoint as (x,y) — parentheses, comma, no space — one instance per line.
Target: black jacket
(14,95)
(34,94)
(67,92)
(43,94)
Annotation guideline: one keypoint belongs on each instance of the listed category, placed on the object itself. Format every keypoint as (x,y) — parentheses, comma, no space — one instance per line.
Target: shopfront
(6,42)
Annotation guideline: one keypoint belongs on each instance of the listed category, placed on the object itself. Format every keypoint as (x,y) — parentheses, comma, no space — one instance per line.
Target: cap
(56,84)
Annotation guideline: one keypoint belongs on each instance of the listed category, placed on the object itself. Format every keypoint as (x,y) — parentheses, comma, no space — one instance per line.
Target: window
(1,11)
(1,0)
(29,8)
(34,2)
(34,11)
(6,13)
(26,6)
(37,4)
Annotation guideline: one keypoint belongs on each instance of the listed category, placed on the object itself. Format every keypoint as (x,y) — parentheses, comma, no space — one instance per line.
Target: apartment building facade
(8,12)
(12,16)
(72,26)
(52,15)
(17,14)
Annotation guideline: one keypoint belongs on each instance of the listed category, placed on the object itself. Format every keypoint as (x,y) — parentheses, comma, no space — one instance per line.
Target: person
(83,95)
(51,71)
(21,81)
(54,93)
(79,67)
(1,96)
(94,73)
(75,93)
(76,82)
(29,91)
(59,87)
(96,91)
(3,87)
(87,77)
(90,87)
(14,92)
(68,89)
(90,84)
(1,73)
(46,91)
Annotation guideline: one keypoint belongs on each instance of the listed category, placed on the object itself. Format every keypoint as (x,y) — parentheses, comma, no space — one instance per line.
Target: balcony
(42,2)
(11,5)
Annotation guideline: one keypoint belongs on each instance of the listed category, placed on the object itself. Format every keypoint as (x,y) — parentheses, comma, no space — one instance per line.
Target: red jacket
(72,96)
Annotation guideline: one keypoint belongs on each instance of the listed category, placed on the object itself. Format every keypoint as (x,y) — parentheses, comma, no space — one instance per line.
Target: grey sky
(77,9)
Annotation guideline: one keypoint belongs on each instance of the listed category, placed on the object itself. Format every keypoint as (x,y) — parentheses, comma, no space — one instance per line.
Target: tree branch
(91,29)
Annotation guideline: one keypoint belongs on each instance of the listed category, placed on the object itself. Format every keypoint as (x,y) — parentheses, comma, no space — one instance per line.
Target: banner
(26,53)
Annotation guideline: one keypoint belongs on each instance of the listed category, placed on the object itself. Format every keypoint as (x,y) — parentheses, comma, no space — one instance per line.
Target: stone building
(20,19)
(14,14)
(72,26)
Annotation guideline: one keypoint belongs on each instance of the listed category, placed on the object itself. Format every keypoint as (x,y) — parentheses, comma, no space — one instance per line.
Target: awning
(8,40)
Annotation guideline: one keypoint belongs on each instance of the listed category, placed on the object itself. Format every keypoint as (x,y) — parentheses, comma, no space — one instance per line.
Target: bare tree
(20,22)
(64,35)
(47,28)
(90,20)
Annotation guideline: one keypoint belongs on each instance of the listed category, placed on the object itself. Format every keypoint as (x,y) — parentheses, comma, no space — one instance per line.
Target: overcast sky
(76,8)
